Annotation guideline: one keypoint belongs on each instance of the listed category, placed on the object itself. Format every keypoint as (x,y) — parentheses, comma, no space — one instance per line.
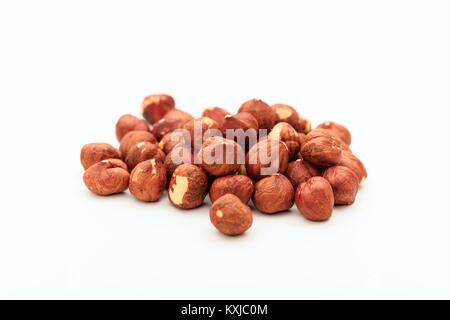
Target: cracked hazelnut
(239,185)
(215,113)
(337,130)
(314,199)
(200,129)
(188,187)
(132,138)
(141,152)
(273,194)
(154,107)
(344,182)
(242,128)
(230,216)
(127,123)
(148,180)
(322,150)
(266,158)
(95,152)
(352,162)
(300,171)
(283,131)
(220,157)
(262,112)
(107,177)
(178,156)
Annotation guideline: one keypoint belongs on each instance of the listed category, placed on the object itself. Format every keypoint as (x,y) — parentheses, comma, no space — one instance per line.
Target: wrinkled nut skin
(95,152)
(173,139)
(230,216)
(283,131)
(338,130)
(352,162)
(273,194)
(107,177)
(262,112)
(188,187)
(220,157)
(216,113)
(132,138)
(155,106)
(178,156)
(345,184)
(143,151)
(323,150)
(314,199)
(261,161)
(165,126)
(300,171)
(127,123)
(148,181)
(206,124)
(239,185)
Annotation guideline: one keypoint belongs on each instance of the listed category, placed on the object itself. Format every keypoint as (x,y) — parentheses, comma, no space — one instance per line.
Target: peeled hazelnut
(178,115)
(338,130)
(321,150)
(127,123)
(141,152)
(352,162)
(239,185)
(300,171)
(132,138)
(314,199)
(154,107)
(148,180)
(178,156)
(266,158)
(242,128)
(273,194)
(200,129)
(95,152)
(107,177)
(344,182)
(283,131)
(173,139)
(230,216)
(220,157)
(188,187)
(215,113)
(262,112)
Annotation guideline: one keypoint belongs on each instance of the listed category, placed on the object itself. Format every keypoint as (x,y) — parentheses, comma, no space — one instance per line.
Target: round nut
(283,131)
(95,152)
(155,106)
(266,158)
(173,139)
(262,112)
(273,194)
(352,162)
(239,185)
(188,187)
(303,125)
(344,183)
(165,126)
(127,123)
(216,113)
(321,150)
(178,156)
(337,130)
(286,113)
(107,177)
(220,157)
(242,128)
(200,129)
(230,216)
(132,138)
(314,199)
(179,115)
(148,180)
(141,152)
(300,171)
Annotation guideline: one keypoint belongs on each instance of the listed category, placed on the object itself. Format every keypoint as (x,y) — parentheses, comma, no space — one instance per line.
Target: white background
(69,69)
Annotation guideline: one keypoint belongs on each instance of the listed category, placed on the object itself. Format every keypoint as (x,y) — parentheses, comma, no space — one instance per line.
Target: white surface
(69,69)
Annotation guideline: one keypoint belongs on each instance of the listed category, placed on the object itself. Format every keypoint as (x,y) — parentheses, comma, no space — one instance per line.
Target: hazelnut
(220,157)
(179,115)
(300,171)
(242,128)
(95,152)
(164,126)
(132,138)
(127,123)
(154,107)
(303,125)
(107,177)
(262,112)
(321,150)
(273,194)
(188,187)
(337,130)
(141,152)
(352,162)
(174,139)
(266,158)
(178,156)
(239,185)
(215,113)
(286,113)
(314,199)
(283,131)
(148,180)
(344,183)
(230,216)
(200,129)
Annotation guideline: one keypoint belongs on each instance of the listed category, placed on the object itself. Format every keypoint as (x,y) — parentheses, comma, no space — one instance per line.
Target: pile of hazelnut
(280,160)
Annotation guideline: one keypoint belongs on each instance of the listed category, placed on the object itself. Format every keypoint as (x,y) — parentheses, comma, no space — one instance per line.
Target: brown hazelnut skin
(273,194)
(173,139)
(239,185)
(283,131)
(206,124)
(188,187)
(230,216)
(216,113)
(155,106)
(242,121)
(352,162)
(263,152)
(107,177)
(262,112)
(300,171)
(178,156)
(344,182)
(179,115)
(321,150)
(148,181)
(127,123)
(165,126)
(314,199)
(338,130)
(132,138)
(141,152)
(95,152)
(228,161)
